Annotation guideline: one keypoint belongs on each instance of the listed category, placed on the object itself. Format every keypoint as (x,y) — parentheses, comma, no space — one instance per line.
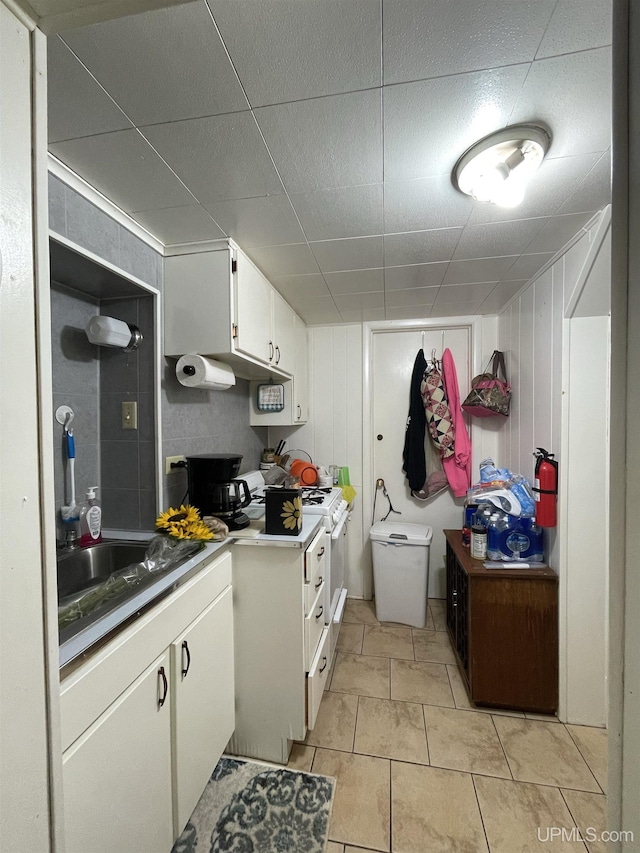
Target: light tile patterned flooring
(420,769)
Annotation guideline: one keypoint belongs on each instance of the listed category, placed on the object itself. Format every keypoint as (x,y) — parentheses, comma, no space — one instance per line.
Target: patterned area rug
(254,808)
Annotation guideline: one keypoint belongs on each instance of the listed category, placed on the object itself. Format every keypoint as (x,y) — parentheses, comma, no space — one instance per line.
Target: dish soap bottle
(90,520)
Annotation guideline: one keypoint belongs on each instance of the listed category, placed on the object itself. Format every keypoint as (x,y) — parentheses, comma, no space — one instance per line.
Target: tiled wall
(193,421)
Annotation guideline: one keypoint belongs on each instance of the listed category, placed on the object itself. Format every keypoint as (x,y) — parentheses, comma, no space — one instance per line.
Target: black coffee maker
(214,490)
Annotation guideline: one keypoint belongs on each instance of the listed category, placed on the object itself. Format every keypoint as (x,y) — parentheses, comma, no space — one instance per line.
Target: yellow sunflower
(292,514)
(183,523)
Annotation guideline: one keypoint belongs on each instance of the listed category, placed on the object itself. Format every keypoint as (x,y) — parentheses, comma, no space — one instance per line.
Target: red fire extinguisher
(545,488)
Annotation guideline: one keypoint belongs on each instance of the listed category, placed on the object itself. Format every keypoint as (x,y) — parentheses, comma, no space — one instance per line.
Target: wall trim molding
(79,185)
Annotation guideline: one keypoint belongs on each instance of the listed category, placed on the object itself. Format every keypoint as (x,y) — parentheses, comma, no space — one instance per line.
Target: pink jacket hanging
(457,467)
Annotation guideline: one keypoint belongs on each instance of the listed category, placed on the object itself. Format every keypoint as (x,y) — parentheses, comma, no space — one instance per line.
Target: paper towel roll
(196,371)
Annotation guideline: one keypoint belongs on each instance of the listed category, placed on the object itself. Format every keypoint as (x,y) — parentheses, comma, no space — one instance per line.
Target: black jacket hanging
(413,454)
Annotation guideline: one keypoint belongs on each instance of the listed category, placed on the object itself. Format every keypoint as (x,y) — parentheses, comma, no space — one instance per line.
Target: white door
(203,699)
(393,356)
(283,334)
(117,775)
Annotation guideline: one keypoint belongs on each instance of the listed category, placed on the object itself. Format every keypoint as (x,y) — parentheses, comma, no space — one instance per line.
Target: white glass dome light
(497,168)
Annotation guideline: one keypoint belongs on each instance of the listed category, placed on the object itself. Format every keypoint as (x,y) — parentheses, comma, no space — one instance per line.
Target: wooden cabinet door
(283,335)
(203,702)
(301,373)
(117,775)
(253,311)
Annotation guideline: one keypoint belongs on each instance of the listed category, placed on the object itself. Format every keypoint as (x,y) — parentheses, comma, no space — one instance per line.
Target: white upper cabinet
(217,303)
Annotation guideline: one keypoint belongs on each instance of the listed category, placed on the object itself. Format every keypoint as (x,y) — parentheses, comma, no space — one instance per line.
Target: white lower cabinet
(146,718)
(202,700)
(277,642)
(117,775)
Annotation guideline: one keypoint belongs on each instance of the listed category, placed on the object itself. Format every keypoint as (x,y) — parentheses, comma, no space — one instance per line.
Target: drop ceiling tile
(338,213)
(185,224)
(414,312)
(452,309)
(288,50)
(526,266)
(464,292)
(423,40)
(428,125)
(295,259)
(362,315)
(500,295)
(412,296)
(218,157)
(326,142)
(125,169)
(355,281)
(321,309)
(568,93)
(357,253)
(481,269)
(78,106)
(356,301)
(552,185)
(577,26)
(558,231)
(163,65)
(301,286)
(251,222)
(504,238)
(423,205)
(595,190)
(418,247)
(415,275)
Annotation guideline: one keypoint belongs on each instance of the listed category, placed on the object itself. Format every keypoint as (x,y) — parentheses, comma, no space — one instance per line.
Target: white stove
(329,503)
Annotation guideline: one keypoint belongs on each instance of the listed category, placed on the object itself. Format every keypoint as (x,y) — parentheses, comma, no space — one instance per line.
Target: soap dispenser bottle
(90,520)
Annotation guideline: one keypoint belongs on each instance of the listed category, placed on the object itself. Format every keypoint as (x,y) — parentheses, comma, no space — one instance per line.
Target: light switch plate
(129,414)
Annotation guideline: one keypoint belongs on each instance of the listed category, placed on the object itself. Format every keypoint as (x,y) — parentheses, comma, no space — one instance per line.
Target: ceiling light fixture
(498,167)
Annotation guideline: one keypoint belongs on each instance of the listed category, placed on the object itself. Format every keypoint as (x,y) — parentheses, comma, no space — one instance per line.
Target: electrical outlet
(129,414)
(167,464)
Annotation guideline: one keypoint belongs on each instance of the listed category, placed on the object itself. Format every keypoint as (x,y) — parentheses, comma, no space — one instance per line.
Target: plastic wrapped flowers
(184,523)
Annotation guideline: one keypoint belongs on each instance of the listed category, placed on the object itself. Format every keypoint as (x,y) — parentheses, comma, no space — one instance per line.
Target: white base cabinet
(276,634)
(146,718)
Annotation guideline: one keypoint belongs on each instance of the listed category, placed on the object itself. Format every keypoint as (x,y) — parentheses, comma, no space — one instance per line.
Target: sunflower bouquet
(184,523)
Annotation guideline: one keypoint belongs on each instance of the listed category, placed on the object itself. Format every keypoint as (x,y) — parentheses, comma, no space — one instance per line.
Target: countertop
(310,526)
(165,584)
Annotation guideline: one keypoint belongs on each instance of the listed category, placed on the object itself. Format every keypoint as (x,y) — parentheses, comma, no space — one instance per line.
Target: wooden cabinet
(218,303)
(503,624)
(202,702)
(296,390)
(145,719)
(117,775)
(281,645)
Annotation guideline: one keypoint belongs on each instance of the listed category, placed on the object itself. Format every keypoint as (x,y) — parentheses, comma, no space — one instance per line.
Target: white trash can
(401,571)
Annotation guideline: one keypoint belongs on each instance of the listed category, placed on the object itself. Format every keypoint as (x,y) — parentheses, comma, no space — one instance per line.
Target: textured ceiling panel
(267,121)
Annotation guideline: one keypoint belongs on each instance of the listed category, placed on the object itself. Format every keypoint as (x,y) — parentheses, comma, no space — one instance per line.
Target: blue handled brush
(70,513)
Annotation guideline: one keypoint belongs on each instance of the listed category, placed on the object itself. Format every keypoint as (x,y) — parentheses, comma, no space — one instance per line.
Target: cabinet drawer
(312,587)
(317,679)
(313,627)
(314,557)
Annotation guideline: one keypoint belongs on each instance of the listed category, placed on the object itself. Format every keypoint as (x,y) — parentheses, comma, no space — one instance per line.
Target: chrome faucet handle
(70,539)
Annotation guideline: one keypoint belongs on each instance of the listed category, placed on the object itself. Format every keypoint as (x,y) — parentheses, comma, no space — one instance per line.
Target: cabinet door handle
(299,411)
(270,350)
(320,552)
(277,354)
(185,648)
(165,687)
(322,668)
(319,584)
(319,613)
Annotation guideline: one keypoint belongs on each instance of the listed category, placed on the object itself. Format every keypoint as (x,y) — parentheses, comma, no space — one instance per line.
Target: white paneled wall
(555,337)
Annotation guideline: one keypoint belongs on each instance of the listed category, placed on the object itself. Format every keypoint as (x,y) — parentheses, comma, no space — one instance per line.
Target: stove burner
(311,495)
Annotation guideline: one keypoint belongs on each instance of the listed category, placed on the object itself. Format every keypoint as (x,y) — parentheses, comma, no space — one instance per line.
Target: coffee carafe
(214,489)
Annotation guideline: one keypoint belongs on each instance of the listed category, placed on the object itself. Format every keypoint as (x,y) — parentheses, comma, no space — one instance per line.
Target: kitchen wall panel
(550,362)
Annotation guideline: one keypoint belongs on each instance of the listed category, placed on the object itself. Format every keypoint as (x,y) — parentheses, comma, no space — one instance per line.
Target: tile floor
(420,769)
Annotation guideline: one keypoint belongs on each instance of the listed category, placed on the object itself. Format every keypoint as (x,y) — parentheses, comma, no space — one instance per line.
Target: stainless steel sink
(83,568)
